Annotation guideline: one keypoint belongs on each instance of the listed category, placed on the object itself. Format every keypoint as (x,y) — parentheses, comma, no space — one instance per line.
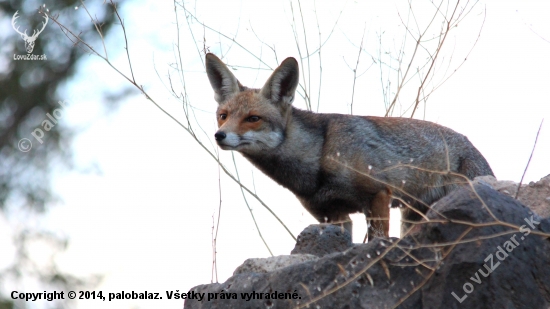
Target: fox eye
(253,119)
(223,116)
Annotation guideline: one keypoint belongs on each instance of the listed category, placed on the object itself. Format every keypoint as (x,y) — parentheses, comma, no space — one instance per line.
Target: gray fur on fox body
(339,164)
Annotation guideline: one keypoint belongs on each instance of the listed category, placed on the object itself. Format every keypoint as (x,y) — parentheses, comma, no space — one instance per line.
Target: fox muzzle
(220,136)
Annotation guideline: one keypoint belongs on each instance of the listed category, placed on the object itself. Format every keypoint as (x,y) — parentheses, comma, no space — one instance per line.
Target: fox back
(340,164)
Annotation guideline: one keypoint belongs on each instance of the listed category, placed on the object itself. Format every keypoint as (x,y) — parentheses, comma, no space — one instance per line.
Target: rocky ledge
(480,248)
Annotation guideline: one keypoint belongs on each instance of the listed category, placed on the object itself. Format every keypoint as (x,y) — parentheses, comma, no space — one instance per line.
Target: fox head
(252,121)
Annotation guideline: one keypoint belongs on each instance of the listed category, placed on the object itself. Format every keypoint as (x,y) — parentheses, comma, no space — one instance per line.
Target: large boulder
(322,239)
(479,249)
(535,195)
(266,265)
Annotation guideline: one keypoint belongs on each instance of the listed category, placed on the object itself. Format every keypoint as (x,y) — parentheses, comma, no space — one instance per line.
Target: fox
(339,164)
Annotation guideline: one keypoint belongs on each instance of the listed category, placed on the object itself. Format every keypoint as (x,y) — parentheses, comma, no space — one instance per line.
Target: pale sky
(145,220)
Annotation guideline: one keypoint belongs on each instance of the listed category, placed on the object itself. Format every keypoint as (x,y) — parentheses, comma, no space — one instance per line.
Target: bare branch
(529,161)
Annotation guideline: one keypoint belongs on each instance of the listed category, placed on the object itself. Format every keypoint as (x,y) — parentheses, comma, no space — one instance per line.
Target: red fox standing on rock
(340,164)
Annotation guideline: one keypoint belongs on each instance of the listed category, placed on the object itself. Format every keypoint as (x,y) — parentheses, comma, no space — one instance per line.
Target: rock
(314,241)
(450,263)
(322,239)
(535,195)
(516,264)
(265,265)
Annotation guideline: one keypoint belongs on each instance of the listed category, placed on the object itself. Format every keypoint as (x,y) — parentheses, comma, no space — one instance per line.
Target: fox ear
(224,83)
(281,85)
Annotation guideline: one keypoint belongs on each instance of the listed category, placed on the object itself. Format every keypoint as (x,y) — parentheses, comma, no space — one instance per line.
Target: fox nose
(220,135)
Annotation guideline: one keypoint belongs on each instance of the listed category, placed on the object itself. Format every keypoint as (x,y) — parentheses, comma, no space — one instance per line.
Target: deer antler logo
(29,40)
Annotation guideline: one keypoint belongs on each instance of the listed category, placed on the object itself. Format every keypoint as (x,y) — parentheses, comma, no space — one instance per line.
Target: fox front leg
(378,216)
